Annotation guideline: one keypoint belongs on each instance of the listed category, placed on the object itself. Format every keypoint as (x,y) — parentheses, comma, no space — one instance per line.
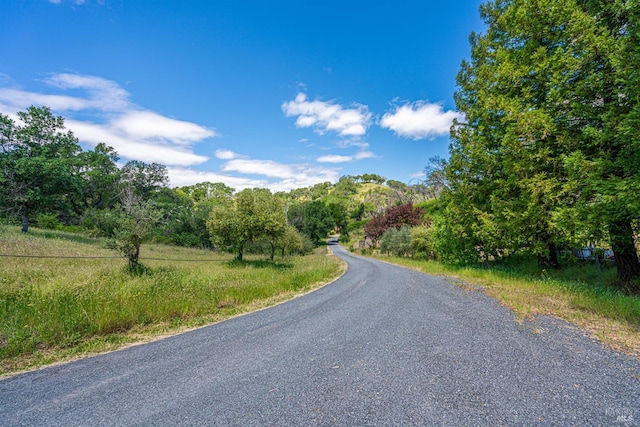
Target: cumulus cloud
(224,154)
(419,120)
(150,125)
(335,158)
(279,176)
(326,117)
(100,111)
(180,177)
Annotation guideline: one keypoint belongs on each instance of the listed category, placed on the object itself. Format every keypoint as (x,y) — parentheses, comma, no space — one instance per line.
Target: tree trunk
(550,259)
(240,251)
(624,250)
(273,250)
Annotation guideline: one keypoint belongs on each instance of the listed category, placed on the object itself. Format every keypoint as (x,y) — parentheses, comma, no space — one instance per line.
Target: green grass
(578,294)
(55,309)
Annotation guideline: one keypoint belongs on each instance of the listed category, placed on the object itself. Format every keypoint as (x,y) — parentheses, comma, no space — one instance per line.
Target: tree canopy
(548,153)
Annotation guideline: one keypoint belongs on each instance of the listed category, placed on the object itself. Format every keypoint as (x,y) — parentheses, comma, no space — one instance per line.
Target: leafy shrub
(397,241)
(48,221)
(103,222)
(422,242)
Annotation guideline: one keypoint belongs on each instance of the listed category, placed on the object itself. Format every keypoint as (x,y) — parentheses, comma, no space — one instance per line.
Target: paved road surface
(381,346)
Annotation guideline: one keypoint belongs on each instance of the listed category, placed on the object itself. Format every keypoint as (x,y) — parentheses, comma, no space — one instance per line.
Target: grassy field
(54,309)
(576,294)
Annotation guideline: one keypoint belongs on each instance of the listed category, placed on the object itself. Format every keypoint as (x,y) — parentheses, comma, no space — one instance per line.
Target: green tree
(100,174)
(397,241)
(318,220)
(38,163)
(144,178)
(422,242)
(251,214)
(605,167)
(550,104)
(135,223)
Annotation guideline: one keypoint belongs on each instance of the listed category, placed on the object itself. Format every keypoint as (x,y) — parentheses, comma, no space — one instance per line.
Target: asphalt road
(380,346)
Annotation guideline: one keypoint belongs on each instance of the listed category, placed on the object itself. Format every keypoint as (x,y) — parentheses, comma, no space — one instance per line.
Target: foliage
(135,224)
(397,241)
(38,169)
(144,179)
(422,242)
(548,151)
(318,220)
(250,215)
(394,217)
(48,221)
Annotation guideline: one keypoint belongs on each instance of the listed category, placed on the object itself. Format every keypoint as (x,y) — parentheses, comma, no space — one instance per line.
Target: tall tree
(317,221)
(144,178)
(39,165)
(608,109)
(546,94)
(100,175)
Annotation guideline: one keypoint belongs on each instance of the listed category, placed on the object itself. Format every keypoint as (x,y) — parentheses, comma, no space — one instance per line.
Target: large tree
(251,214)
(38,165)
(101,177)
(318,220)
(546,94)
(607,107)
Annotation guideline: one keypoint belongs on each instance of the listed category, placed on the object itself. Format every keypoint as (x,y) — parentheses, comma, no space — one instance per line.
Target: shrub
(397,241)
(422,243)
(48,221)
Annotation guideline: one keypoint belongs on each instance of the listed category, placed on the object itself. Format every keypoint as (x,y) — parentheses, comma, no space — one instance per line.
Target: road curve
(382,345)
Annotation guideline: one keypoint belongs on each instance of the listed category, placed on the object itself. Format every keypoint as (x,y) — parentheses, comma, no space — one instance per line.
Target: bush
(101,222)
(48,221)
(422,243)
(397,241)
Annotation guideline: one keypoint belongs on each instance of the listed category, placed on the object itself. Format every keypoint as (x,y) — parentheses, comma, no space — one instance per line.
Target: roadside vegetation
(54,309)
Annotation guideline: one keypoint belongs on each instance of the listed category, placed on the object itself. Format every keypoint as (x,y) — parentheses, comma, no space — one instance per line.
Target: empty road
(381,346)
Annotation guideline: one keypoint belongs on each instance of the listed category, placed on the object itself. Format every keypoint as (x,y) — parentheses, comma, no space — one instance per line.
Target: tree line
(47,179)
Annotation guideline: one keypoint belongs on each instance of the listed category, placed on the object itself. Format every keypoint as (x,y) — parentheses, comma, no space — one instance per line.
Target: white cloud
(365,155)
(224,154)
(180,177)
(100,110)
(150,125)
(15,100)
(287,176)
(255,173)
(419,120)
(326,116)
(334,158)
(135,133)
(103,94)
(132,148)
(76,2)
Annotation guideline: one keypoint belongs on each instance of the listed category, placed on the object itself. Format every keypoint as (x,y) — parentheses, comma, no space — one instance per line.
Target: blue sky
(261,93)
